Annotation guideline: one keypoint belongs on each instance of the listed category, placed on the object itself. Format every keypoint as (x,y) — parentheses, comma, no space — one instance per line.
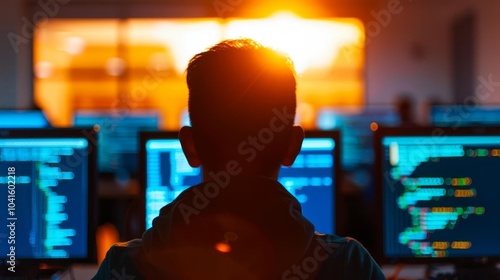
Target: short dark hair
(235,89)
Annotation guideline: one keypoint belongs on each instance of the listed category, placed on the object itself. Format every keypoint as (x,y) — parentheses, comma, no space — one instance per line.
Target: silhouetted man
(240,223)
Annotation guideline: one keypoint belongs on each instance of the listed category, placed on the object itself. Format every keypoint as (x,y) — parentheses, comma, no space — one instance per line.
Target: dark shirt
(250,228)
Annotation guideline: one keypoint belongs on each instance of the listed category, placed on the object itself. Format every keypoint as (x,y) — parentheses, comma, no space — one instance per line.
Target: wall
(412,53)
(15,73)
(488,48)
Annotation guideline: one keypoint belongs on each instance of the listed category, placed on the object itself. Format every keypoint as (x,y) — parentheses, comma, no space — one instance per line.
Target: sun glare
(310,43)
(80,64)
(187,38)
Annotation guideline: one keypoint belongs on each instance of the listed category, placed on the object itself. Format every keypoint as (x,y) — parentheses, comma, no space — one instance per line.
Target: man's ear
(295,145)
(187,143)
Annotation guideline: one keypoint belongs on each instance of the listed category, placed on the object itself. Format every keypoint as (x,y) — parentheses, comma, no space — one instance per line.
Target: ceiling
(205,8)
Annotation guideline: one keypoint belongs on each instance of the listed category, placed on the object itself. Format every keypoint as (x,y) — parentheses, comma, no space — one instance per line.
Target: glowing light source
(74,45)
(328,55)
(159,61)
(223,247)
(115,66)
(310,43)
(43,69)
(187,38)
(305,115)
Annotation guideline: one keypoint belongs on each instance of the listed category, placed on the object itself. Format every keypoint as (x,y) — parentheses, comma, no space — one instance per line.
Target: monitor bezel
(91,136)
(433,131)
(145,136)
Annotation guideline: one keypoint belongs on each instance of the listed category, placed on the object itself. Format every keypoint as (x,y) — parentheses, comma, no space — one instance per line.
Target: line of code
(51,197)
(439,198)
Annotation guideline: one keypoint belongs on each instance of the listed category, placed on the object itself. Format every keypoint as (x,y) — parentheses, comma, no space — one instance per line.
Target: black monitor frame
(145,136)
(31,265)
(432,131)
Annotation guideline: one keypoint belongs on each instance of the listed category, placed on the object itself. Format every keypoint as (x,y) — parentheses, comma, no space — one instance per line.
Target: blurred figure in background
(404,105)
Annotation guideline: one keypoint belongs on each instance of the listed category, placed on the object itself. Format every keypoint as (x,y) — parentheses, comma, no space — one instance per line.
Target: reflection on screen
(310,179)
(440,197)
(48,206)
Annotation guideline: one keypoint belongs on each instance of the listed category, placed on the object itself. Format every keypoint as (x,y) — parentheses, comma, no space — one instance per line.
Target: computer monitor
(465,115)
(356,125)
(23,119)
(437,195)
(48,196)
(118,137)
(311,179)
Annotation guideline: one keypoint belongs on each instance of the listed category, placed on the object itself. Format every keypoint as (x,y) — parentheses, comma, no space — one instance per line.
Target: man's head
(242,100)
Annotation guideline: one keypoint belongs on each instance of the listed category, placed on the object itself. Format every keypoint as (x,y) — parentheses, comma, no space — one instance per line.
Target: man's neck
(235,170)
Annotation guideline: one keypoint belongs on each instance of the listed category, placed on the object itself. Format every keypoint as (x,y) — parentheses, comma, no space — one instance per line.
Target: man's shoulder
(337,242)
(332,238)
(341,247)
(129,245)
(128,249)
(121,259)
